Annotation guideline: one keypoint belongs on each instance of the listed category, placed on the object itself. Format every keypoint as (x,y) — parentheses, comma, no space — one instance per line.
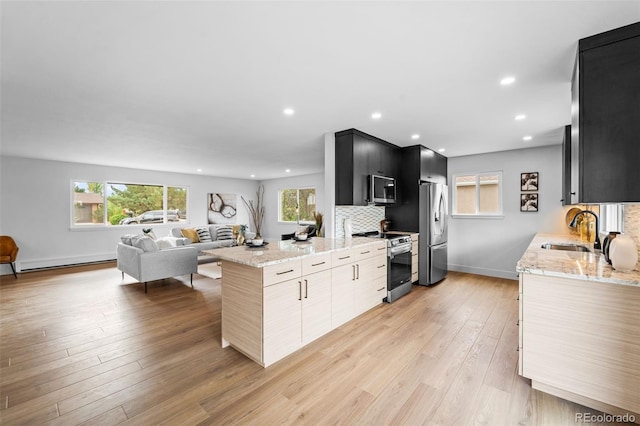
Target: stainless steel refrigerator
(433,226)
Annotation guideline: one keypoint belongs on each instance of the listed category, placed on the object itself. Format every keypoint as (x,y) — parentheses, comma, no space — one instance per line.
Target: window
(297,205)
(477,194)
(611,217)
(127,204)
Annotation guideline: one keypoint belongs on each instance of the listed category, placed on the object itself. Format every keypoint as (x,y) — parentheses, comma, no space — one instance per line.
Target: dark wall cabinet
(605,145)
(418,163)
(357,156)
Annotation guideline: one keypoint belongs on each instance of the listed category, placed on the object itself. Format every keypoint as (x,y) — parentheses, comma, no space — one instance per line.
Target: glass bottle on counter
(587,227)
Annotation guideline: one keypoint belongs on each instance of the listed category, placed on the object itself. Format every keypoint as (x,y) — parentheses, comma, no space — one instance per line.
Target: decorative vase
(623,253)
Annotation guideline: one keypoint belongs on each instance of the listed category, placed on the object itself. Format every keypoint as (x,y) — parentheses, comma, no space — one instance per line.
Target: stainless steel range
(398,263)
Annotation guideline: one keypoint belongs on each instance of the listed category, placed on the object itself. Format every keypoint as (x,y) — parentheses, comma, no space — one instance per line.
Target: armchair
(8,252)
(147,266)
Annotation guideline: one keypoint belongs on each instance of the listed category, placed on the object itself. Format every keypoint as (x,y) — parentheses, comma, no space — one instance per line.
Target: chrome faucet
(596,243)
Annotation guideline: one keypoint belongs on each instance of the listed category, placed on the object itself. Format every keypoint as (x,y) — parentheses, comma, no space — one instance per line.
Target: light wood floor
(81,346)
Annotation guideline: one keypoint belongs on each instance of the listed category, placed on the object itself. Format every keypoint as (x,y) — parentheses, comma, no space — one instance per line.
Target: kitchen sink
(565,246)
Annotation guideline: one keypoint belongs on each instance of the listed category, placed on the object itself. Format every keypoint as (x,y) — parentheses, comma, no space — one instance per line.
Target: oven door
(398,269)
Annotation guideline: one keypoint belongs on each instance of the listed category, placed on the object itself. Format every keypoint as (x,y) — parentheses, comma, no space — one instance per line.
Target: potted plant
(256,210)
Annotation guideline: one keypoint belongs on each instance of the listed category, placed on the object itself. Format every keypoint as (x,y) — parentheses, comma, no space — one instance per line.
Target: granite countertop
(283,251)
(568,264)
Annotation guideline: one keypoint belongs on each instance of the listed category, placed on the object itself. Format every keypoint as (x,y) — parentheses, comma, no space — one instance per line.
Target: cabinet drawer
(371,250)
(344,257)
(414,238)
(317,263)
(380,267)
(414,248)
(414,277)
(281,272)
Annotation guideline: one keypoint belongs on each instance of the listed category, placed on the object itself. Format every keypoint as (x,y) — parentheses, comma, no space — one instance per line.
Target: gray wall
(493,246)
(272,228)
(36,208)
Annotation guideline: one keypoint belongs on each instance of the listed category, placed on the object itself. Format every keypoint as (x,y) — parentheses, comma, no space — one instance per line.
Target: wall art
(529,181)
(529,202)
(221,208)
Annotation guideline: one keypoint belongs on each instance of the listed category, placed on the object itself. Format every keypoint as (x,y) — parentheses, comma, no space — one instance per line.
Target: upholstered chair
(9,252)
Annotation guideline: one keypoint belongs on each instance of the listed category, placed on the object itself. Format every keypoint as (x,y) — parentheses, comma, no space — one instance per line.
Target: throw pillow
(191,234)
(225,233)
(203,234)
(166,242)
(144,243)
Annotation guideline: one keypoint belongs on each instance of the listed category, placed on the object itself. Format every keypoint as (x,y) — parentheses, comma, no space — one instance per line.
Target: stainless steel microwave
(381,189)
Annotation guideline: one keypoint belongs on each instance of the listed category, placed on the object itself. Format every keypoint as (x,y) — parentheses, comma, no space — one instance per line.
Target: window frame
(477,214)
(105,223)
(298,189)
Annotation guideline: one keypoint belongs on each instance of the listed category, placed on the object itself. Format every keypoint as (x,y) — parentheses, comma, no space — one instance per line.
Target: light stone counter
(568,264)
(283,251)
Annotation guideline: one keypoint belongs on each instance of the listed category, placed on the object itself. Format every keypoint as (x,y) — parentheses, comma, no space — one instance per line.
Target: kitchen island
(579,326)
(280,297)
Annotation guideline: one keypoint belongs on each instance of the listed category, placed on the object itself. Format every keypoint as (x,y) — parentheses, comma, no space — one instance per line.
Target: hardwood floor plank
(82,346)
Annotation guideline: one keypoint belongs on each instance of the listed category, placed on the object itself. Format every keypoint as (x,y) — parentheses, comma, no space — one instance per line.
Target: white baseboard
(509,275)
(28,265)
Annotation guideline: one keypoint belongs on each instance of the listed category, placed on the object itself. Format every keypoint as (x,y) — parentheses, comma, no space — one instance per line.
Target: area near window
(126,204)
(477,194)
(297,205)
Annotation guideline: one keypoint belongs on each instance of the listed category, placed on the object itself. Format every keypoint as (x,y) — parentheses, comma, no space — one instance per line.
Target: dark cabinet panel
(357,156)
(416,163)
(566,166)
(607,92)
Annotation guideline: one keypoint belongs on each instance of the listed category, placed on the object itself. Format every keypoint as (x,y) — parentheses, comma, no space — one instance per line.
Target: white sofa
(213,231)
(144,263)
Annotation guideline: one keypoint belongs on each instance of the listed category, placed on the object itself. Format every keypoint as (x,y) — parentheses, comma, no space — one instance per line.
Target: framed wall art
(221,208)
(529,202)
(529,181)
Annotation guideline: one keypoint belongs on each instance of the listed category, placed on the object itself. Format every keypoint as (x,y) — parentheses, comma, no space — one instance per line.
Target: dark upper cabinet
(357,156)
(417,163)
(566,166)
(605,149)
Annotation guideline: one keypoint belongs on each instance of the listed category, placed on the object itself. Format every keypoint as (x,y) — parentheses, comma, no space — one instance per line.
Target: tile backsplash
(632,223)
(363,218)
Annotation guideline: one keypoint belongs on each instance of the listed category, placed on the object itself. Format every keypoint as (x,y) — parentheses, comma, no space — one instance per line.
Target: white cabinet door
(282,319)
(371,274)
(342,294)
(316,305)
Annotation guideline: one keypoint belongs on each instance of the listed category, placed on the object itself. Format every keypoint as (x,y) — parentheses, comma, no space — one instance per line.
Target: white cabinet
(359,285)
(580,340)
(342,294)
(282,319)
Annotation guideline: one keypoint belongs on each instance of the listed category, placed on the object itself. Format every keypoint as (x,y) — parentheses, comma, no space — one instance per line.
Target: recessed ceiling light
(288,171)
(441,150)
(376,115)
(288,111)
(527,138)
(199,170)
(520,117)
(507,80)
(253,176)
(416,136)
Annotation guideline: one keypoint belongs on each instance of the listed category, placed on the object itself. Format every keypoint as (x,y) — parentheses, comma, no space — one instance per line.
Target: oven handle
(394,251)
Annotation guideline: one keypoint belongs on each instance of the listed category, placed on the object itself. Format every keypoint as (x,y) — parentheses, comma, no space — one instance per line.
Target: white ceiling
(180,86)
